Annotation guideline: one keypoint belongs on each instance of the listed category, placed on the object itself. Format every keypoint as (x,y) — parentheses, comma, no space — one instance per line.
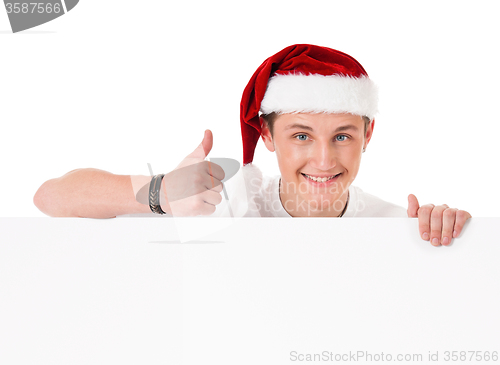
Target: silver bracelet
(154,194)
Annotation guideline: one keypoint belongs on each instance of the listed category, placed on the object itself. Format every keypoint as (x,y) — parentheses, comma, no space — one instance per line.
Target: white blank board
(258,291)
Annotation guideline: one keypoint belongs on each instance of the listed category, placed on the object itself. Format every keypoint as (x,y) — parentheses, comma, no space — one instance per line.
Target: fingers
(437,224)
(211,197)
(193,208)
(213,175)
(210,183)
(215,170)
(461,218)
(412,206)
(449,215)
(206,203)
(424,219)
(218,186)
(440,224)
(203,203)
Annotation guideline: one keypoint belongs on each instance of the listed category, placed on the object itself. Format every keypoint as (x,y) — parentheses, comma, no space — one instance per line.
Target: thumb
(204,147)
(412,206)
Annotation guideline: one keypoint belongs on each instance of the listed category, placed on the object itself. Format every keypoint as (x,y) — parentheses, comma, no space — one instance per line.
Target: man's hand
(194,186)
(437,224)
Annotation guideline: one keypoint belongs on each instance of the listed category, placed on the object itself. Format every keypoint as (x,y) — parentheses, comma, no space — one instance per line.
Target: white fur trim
(299,93)
(253,178)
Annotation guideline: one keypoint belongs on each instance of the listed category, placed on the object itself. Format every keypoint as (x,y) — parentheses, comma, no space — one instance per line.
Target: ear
(369,133)
(266,137)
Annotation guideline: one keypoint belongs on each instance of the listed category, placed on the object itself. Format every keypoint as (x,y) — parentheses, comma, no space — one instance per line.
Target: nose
(323,156)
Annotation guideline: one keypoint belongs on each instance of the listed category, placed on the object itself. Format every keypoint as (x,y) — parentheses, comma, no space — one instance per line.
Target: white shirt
(263,199)
(360,204)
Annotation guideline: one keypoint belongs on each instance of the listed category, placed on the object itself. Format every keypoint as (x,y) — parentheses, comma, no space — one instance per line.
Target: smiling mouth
(320,179)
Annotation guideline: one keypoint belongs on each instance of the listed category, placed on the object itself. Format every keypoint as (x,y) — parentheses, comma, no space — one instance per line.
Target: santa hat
(304,78)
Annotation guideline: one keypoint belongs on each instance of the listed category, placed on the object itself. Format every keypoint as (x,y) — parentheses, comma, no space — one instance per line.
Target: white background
(117,84)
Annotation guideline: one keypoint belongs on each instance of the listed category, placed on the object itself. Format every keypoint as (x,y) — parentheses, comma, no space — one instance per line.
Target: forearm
(92,193)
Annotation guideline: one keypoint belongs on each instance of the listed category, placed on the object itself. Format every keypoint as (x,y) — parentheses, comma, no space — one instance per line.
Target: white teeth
(320,179)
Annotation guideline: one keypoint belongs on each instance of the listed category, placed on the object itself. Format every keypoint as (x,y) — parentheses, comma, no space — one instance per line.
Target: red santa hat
(304,78)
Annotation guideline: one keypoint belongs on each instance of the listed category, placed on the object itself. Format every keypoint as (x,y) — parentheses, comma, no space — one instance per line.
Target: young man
(314,107)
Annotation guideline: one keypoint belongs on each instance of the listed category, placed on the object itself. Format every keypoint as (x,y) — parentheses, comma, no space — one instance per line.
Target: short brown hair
(270,118)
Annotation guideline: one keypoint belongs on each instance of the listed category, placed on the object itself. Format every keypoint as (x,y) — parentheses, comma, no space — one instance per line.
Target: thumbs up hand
(194,186)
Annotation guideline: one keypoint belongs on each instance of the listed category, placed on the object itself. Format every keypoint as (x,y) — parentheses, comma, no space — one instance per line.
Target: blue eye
(341,137)
(301,135)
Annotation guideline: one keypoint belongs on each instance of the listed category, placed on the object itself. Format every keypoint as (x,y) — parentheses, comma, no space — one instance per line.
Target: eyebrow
(306,127)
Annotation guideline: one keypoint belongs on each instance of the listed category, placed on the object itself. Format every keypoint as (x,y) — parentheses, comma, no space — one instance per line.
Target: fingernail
(446,240)
(425,236)
(435,241)
(455,234)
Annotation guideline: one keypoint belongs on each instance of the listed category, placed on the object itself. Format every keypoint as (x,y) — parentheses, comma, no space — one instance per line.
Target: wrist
(163,198)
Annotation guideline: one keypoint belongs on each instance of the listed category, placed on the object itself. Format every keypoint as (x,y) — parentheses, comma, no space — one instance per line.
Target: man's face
(319,157)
